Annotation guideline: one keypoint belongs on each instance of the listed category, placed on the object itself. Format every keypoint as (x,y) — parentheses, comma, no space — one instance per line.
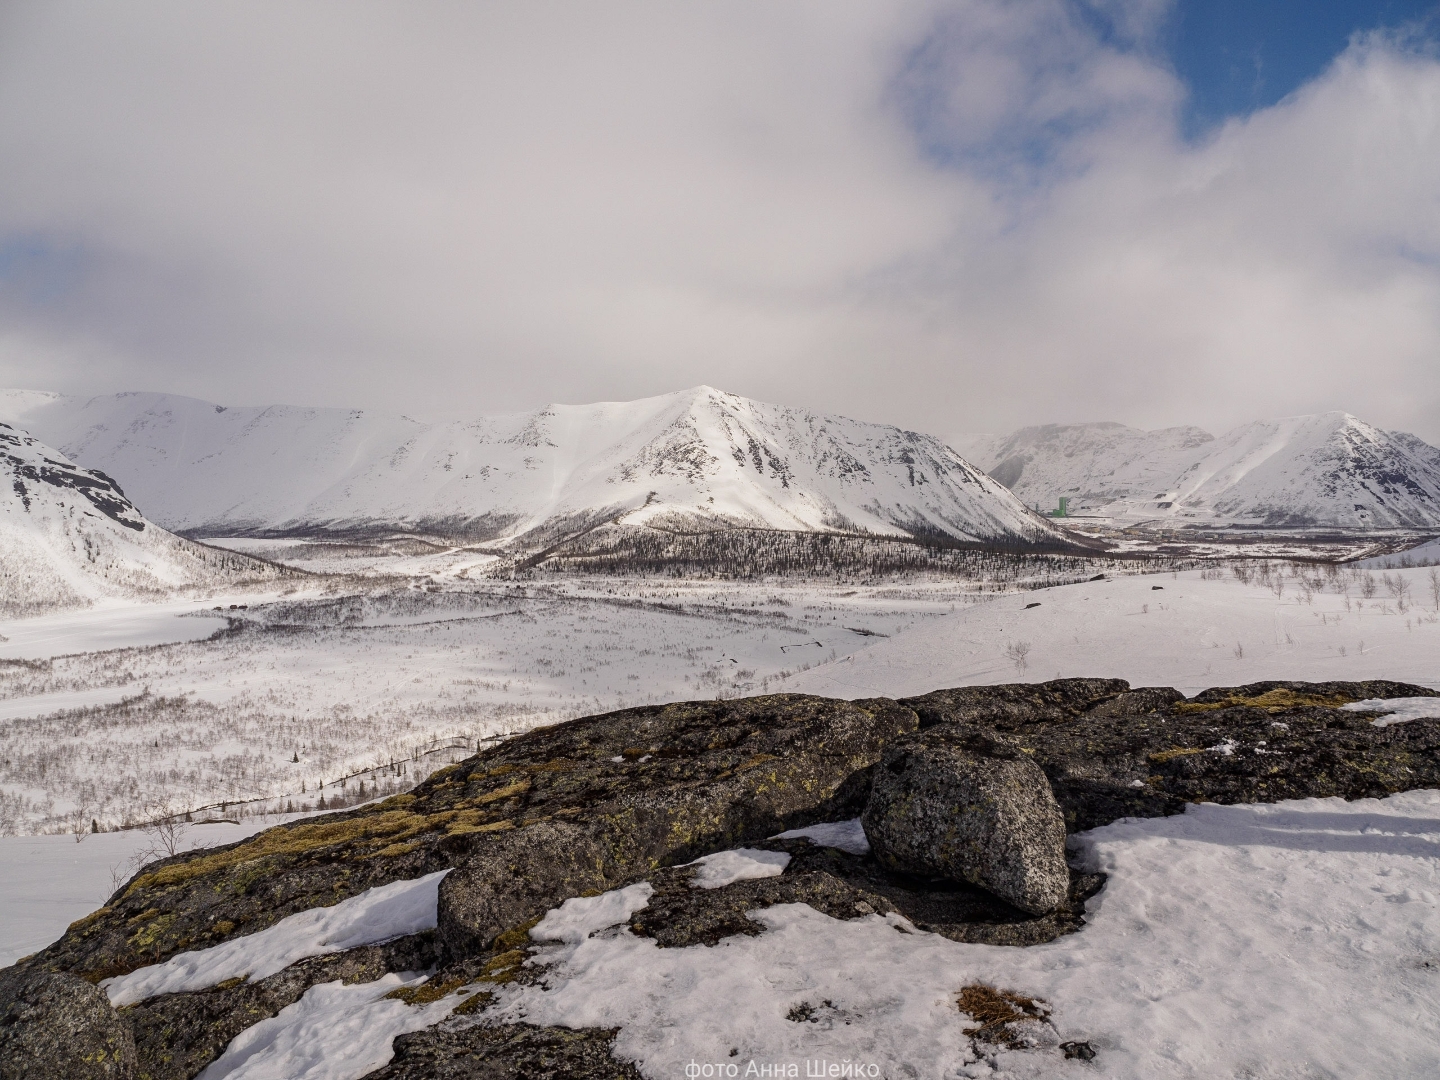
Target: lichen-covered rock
(633,790)
(608,799)
(1257,743)
(505,1052)
(57,1027)
(969,808)
(1011,703)
(178,1035)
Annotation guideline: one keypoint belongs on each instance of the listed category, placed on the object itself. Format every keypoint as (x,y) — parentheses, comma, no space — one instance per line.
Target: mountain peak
(697,458)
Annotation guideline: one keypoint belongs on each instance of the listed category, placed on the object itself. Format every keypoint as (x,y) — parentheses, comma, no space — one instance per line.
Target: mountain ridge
(1327,469)
(70,536)
(700,457)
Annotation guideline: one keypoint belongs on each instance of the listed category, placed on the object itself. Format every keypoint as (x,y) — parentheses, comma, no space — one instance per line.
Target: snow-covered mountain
(699,458)
(69,536)
(1326,470)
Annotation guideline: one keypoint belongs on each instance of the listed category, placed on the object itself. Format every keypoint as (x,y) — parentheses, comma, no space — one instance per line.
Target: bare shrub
(1018,653)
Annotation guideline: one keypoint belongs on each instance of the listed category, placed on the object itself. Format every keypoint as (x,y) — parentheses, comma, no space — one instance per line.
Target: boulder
(969,806)
(58,1027)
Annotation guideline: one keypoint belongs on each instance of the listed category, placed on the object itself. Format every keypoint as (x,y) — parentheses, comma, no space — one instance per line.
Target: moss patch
(426,992)
(1162,756)
(994,1011)
(1278,700)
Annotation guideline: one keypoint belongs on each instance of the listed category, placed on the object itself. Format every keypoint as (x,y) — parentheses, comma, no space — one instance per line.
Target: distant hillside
(699,459)
(1327,470)
(69,536)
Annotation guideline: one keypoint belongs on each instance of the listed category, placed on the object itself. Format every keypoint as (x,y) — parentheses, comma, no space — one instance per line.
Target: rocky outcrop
(593,803)
(847,886)
(1108,754)
(178,1035)
(57,1027)
(964,805)
(505,1052)
(610,800)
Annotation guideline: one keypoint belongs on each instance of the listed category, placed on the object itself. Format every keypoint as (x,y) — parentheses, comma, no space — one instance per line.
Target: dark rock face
(1015,703)
(58,1027)
(452,1051)
(971,809)
(630,790)
(177,1035)
(1262,742)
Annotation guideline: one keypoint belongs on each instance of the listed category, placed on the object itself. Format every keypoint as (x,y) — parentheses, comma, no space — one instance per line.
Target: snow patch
(579,917)
(1398,710)
(334,1032)
(378,914)
(848,836)
(741,864)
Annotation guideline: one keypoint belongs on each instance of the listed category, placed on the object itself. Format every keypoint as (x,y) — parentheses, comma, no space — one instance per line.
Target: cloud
(953,215)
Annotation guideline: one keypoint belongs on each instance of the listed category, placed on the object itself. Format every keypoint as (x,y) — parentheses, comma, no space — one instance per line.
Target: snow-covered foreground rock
(378,914)
(614,898)
(1292,940)
(697,458)
(1330,469)
(1189,630)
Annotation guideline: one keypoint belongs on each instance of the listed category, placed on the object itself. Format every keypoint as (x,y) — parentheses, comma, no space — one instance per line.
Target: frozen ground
(115,624)
(1190,630)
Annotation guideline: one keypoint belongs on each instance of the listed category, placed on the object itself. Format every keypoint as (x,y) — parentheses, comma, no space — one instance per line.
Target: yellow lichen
(426,992)
(1277,700)
(1167,755)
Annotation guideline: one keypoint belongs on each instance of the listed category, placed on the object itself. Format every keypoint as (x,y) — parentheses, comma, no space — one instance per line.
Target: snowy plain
(1190,630)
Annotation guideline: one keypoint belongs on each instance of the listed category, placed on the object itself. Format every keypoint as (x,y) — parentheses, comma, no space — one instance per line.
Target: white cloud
(955,216)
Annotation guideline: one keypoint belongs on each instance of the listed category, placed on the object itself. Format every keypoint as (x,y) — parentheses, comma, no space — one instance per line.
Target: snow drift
(697,459)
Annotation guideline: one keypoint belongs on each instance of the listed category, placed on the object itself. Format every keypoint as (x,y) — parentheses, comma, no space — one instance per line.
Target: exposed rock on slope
(696,459)
(611,800)
(69,536)
(1330,470)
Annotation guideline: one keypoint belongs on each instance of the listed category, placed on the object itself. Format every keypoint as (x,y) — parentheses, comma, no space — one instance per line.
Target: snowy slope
(697,458)
(1330,469)
(69,536)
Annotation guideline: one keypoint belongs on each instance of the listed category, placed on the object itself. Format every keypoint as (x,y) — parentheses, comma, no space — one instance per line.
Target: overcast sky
(954,216)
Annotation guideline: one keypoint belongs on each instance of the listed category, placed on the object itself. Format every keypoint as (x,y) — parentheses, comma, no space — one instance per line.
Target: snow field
(1300,939)
(1190,630)
(48,882)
